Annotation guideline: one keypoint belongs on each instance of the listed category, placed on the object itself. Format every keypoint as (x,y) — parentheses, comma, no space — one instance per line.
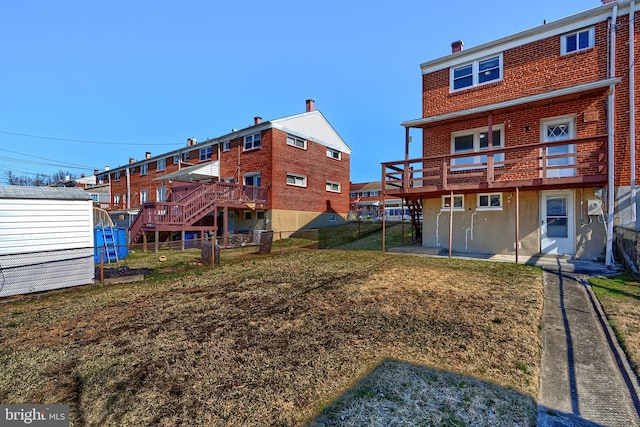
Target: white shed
(46,239)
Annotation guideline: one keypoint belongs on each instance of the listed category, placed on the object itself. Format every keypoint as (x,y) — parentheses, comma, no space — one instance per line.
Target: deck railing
(575,161)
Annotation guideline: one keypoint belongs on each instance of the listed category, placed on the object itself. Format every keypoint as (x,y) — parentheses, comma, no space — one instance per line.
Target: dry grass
(285,340)
(619,297)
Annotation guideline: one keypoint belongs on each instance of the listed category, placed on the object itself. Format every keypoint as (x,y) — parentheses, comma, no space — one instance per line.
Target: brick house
(365,200)
(281,175)
(529,141)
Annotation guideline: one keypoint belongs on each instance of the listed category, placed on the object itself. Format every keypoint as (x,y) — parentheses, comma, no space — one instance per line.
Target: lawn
(619,298)
(318,337)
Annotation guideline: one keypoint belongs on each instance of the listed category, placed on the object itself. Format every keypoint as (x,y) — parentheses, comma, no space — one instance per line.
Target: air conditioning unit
(594,207)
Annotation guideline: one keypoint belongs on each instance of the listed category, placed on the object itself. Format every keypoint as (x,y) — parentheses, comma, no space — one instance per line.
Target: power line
(83,141)
(58,162)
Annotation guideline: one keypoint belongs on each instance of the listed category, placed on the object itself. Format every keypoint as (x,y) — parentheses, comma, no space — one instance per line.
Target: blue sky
(141,76)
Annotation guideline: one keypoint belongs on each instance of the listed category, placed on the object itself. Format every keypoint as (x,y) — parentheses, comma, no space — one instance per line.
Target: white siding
(45,243)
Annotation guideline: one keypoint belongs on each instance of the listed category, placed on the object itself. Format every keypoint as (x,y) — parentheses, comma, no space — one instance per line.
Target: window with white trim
(206,153)
(185,156)
(161,194)
(176,159)
(144,168)
(116,199)
(476,73)
(476,141)
(458,202)
(333,154)
(580,40)
(95,197)
(116,176)
(251,142)
(297,180)
(226,146)
(333,186)
(559,156)
(488,201)
(297,142)
(144,196)
(161,165)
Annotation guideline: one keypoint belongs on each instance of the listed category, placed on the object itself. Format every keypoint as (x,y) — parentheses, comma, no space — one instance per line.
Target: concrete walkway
(585,377)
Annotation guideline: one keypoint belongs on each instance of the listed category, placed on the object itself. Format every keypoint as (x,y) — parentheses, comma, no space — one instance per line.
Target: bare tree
(39,180)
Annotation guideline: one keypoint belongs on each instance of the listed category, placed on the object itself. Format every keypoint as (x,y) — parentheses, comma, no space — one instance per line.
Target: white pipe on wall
(610,148)
(632,108)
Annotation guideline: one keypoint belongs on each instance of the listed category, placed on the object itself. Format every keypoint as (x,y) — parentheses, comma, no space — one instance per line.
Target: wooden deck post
(157,242)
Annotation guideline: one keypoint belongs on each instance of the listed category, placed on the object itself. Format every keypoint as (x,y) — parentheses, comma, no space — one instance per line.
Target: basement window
(458,202)
(489,201)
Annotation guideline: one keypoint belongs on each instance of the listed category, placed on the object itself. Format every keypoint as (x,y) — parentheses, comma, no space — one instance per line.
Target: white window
(206,153)
(476,73)
(176,159)
(296,142)
(334,154)
(580,40)
(185,156)
(253,179)
(116,199)
(95,197)
(161,165)
(458,202)
(116,176)
(490,201)
(474,141)
(353,195)
(144,168)
(251,142)
(226,146)
(333,186)
(297,180)
(144,196)
(559,156)
(161,194)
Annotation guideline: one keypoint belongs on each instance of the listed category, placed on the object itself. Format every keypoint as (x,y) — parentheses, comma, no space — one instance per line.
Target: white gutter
(610,148)
(632,108)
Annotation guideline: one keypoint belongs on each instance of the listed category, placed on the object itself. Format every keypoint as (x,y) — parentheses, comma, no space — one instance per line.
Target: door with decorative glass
(558,157)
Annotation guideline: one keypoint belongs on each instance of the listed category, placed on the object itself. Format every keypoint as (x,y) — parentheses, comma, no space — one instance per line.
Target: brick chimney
(457,46)
(131,160)
(311,105)
(96,171)
(257,120)
(147,155)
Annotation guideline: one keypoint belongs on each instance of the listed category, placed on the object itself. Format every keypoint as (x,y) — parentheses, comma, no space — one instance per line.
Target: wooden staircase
(190,203)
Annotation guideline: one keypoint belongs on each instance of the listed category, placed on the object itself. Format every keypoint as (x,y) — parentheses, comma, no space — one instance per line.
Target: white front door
(557,223)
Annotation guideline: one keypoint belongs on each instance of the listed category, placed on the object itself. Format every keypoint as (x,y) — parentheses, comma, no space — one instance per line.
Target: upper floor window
(333,186)
(185,156)
(297,180)
(296,142)
(116,199)
(161,165)
(353,195)
(206,153)
(226,146)
(334,154)
(476,73)
(144,168)
(176,159)
(116,176)
(144,196)
(580,40)
(252,142)
(161,194)
(476,140)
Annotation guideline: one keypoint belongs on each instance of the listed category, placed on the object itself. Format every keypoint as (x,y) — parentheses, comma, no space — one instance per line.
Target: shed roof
(47,193)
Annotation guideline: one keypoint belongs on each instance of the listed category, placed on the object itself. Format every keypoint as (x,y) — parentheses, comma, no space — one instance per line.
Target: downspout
(632,108)
(610,141)
(128,188)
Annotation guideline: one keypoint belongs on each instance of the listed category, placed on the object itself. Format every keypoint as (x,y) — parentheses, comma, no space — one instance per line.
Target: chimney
(457,46)
(147,155)
(106,168)
(81,175)
(608,1)
(131,160)
(257,120)
(96,171)
(310,105)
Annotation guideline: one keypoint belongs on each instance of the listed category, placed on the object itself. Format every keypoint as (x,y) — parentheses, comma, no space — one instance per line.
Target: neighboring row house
(366,201)
(529,141)
(280,175)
